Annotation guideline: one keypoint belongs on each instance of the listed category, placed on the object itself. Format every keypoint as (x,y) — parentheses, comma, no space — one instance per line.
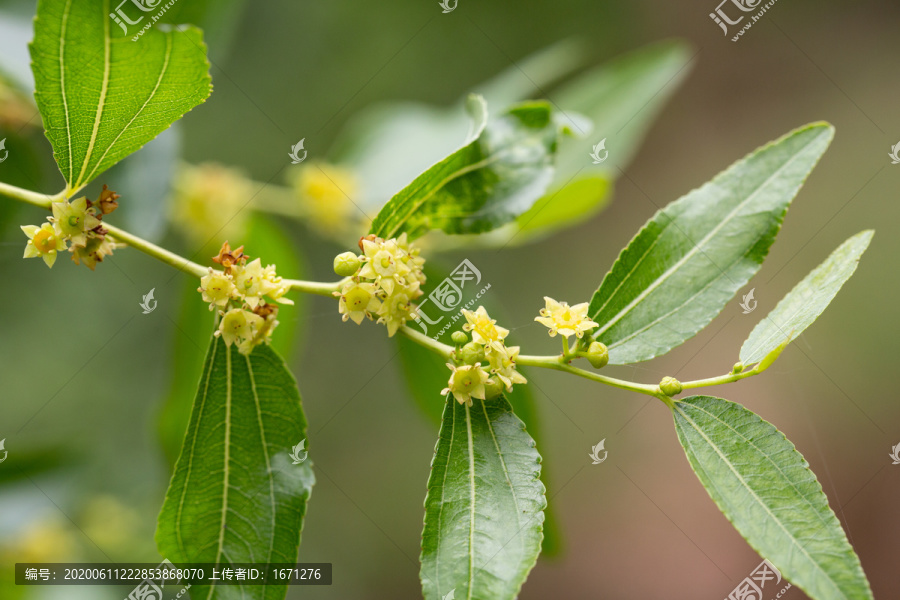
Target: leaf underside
(236,496)
(803,304)
(766,489)
(483,185)
(103,96)
(484,508)
(691,258)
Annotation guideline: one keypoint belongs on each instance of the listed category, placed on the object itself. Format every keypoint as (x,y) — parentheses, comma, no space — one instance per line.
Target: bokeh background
(89,385)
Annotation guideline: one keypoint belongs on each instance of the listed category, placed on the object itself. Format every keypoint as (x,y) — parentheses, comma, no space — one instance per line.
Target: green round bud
(472,353)
(459,337)
(597,354)
(670,386)
(737,368)
(346,264)
(492,389)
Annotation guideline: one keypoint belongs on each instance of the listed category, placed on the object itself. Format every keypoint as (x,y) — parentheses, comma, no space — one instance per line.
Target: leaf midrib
(162,74)
(471,500)
(227,464)
(697,246)
(104,88)
(680,306)
(265,447)
(753,493)
(62,82)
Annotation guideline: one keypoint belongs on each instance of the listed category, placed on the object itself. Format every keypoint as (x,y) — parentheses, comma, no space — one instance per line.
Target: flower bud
(346,264)
(670,386)
(492,389)
(459,338)
(597,354)
(737,368)
(471,353)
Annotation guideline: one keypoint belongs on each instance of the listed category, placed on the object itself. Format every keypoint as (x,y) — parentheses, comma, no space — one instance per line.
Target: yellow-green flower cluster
(384,281)
(77,223)
(472,380)
(244,292)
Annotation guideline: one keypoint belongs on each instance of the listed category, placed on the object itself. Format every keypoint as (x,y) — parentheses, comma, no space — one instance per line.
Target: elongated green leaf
(690,259)
(484,508)
(483,185)
(236,495)
(806,301)
(427,374)
(262,237)
(766,489)
(101,95)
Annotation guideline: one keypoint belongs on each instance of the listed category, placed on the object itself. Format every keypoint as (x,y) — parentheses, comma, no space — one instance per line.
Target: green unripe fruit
(670,386)
(737,368)
(459,337)
(471,353)
(346,264)
(492,389)
(597,354)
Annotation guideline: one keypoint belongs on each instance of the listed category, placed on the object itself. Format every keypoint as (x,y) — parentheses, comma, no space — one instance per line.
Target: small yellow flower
(44,241)
(217,288)
(484,329)
(74,219)
(466,382)
(239,326)
(565,320)
(385,263)
(274,286)
(394,311)
(358,301)
(250,282)
(503,365)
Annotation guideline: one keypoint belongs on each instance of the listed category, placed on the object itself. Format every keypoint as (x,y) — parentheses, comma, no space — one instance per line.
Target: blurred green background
(86,380)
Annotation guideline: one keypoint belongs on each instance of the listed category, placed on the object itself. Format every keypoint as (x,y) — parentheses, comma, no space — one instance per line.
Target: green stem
(423,340)
(721,379)
(151,249)
(316,287)
(34,198)
(170,258)
(554,363)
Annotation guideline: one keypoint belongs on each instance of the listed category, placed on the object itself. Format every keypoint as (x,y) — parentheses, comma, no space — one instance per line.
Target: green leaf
(262,237)
(690,259)
(485,502)
(622,99)
(803,304)
(427,374)
(236,495)
(485,184)
(101,95)
(766,489)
